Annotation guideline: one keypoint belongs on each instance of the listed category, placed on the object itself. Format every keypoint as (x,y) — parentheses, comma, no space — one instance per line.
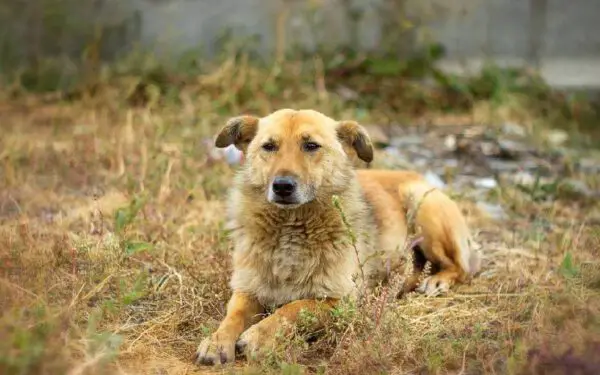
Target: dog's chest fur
(285,255)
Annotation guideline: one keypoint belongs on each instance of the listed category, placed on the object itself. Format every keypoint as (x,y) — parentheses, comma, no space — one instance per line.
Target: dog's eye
(311,146)
(269,147)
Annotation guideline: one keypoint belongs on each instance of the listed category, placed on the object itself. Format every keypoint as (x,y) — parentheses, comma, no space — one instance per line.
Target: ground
(114,258)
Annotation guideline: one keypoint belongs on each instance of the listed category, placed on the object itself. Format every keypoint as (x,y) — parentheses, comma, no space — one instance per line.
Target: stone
(493,211)
(505,166)
(489,148)
(451,163)
(523,178)
(407,141)
(486,183)
(434,180)
(512,149)
(578,188)
(589,165)
(450,142)
(422,152)
(347,94)
(421,162)
(511,128)
(378,136)
(557,137)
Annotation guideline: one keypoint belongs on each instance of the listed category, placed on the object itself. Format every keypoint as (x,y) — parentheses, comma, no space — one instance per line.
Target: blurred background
(114,257)
(499,46)
(561,38)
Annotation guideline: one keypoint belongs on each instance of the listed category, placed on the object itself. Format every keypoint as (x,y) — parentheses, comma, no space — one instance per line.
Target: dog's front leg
(261,337)
(243,310)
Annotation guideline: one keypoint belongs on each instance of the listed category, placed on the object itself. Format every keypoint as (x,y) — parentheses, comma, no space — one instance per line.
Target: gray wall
(561,34)
(507,28)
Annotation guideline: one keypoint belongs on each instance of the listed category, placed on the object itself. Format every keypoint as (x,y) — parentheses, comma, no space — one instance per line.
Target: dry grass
(113,257)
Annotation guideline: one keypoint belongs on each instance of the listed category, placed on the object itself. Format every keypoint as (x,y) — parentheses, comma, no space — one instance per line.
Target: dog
(309,228)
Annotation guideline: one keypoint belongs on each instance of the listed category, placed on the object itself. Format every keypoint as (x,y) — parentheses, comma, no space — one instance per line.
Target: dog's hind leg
(449,273)
(446,237)
(414,279)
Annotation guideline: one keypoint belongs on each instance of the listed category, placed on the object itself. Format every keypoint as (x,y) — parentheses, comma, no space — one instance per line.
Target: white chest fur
(293,259)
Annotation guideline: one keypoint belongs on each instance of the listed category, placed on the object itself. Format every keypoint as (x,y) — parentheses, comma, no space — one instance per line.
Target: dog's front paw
(434,286)
(262,338)
(215,350)
(255,342)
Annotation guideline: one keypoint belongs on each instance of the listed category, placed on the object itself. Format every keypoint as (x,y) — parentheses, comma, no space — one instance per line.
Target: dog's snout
(284,186)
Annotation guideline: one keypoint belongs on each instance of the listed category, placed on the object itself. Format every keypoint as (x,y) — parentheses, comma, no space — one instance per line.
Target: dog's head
(294,157)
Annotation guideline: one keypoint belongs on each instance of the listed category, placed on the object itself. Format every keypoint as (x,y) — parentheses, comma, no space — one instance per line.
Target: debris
(489,148)
(577,188)
(407,141)
(434,180)
(512,149)
(589,165)
(346,93)
(450,163)
(450,142)
(523,178)
(486,183)
(505,166)
(557,137)
(511,128)
(420,163)
(378,136)
(474,161)
(493,211)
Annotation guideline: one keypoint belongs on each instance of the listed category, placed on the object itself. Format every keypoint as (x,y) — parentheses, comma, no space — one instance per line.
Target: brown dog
(292,248)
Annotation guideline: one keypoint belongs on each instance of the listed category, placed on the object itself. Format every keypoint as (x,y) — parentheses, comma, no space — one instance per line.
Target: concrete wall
(560,34)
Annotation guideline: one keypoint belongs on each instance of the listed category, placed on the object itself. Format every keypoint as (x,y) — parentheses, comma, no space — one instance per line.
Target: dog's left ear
(353,135)
(238,131)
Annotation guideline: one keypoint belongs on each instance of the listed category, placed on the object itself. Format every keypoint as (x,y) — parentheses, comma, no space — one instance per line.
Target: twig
(7,282)
(482,295)
(174,272)
(464,360)
(97,288)
(81,369)
(74,300)
(336,202)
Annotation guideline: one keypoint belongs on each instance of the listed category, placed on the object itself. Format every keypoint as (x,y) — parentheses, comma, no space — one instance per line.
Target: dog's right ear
(238,131)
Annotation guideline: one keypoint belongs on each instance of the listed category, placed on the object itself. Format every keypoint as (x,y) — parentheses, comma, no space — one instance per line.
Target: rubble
(476,159)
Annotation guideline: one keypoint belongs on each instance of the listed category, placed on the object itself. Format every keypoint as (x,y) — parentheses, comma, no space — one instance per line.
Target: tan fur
(290,257)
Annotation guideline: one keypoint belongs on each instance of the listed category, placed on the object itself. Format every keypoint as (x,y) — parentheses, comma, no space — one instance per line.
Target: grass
(114,258)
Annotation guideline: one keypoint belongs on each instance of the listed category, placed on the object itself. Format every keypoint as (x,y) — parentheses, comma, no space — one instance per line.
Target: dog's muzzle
(284,190)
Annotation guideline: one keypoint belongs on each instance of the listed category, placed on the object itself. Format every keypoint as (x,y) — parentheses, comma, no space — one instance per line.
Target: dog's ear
(238,131)
(351,134)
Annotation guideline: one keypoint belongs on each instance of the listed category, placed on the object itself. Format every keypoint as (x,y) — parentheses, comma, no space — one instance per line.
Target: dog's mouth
(286,202)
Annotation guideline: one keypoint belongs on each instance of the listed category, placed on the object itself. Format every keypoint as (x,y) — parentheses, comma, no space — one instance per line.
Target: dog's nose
(284,186)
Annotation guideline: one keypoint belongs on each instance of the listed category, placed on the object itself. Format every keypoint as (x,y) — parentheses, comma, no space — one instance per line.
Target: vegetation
(114,258)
